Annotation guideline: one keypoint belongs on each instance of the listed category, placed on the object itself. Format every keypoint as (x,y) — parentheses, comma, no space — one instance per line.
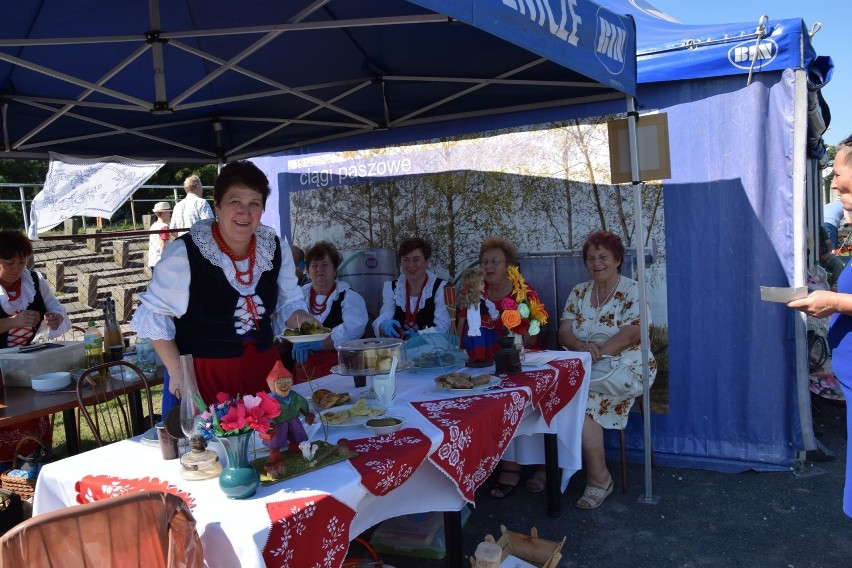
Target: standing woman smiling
(222,292)
(414,301)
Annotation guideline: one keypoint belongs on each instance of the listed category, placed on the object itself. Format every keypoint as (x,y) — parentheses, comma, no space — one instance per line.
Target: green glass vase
(238,480)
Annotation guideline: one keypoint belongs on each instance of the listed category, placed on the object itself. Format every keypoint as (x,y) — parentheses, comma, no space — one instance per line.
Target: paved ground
(703,518)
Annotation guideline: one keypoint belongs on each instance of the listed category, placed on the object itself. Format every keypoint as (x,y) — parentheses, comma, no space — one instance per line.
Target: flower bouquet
(522,310)
(233,421)
(232,416)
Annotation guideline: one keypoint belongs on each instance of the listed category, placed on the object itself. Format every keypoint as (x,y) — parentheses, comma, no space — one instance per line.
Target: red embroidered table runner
(96,487)
(386,462)
(308,531)
(553,388)
(476,431)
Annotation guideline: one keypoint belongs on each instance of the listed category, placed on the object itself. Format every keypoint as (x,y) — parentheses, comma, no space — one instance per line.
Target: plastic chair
(112,407)
(148,528)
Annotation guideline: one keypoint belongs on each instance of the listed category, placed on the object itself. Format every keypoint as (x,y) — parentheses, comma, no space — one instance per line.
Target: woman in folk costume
(26,302)
(222,291)
(415,301)
(336,305)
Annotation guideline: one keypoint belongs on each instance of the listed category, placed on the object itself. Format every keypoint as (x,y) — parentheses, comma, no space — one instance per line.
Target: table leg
(71,442)
(551,470)
(453,538)
(136,420)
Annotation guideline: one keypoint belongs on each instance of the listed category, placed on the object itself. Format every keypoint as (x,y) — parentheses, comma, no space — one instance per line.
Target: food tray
(305,338)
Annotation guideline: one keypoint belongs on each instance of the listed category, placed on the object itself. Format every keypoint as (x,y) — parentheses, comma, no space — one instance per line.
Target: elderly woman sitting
(602,317)
(335,304)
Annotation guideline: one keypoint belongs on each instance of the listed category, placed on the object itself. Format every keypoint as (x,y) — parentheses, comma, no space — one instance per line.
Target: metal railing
(131,213)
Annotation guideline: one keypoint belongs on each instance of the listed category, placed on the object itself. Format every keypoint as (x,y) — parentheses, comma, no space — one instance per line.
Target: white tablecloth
(234,532)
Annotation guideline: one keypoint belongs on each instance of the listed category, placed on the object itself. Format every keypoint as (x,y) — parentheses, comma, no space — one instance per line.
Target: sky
(832,40)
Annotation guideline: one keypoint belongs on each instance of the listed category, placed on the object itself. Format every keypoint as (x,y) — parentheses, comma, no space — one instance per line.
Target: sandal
(501,490)
(537,481)
(593,497)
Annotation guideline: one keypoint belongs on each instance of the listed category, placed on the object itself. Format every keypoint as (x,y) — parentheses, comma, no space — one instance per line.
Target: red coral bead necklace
(244,277)
(317,308)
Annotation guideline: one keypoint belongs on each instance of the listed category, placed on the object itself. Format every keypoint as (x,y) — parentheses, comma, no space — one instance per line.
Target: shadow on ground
(704,518)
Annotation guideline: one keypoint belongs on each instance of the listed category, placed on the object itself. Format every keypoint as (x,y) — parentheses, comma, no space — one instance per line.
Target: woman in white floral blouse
(602,317)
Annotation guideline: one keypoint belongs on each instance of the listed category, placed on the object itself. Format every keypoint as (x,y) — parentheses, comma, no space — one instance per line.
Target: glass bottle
(112,333)
(93,343)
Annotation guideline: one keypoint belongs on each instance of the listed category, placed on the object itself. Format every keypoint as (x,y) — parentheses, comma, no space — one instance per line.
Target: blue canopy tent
(222,80)
(745,120)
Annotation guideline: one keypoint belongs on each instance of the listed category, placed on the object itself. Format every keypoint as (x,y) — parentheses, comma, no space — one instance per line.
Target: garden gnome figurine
(286,428)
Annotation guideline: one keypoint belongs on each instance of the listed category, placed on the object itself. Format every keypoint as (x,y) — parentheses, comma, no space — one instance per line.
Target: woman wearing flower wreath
(602,317)
(415,301)
(221,293)
(336,305)
(506,288)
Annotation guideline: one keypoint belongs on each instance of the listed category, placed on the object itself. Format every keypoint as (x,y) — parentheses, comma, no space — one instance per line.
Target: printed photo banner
(94,187)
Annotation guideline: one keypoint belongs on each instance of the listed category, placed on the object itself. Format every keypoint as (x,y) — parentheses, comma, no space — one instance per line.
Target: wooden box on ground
(530,548)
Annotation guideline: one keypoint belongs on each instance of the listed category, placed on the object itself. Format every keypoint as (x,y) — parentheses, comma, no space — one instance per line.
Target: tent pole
(639,240)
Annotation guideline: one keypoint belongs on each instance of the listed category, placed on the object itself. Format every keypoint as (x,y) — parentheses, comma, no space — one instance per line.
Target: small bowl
(51,381)
(382,425)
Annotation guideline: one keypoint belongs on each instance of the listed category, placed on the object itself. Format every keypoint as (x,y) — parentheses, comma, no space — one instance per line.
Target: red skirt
(245,374)
(318,365)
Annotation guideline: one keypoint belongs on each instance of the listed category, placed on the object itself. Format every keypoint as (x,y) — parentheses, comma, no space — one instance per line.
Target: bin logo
(610,38)
(742,54)
(372,263)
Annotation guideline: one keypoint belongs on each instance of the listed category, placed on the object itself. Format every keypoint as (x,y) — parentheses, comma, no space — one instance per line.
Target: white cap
(162,206)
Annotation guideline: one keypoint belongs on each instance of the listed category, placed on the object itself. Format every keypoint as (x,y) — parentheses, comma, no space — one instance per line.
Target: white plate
(353,420)
(305,338)
(50,382)
(493,381)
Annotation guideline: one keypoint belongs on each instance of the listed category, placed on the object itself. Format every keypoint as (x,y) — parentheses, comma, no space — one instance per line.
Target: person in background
(832,217)
(222,292)
(415,301)
(838,305)
(26,302)
(158,241)
(336,305)
(602,316)
(299,259)
(193,207)
(496,255)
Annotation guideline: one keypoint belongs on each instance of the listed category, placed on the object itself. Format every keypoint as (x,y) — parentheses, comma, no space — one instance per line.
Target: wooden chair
(147,528)
(112,407)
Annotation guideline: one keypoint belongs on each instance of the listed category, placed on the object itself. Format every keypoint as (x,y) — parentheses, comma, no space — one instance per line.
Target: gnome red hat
(279,371)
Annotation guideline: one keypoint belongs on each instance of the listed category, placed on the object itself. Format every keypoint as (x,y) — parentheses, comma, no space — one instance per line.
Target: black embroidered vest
(335,314)
(426,315)
(207,328)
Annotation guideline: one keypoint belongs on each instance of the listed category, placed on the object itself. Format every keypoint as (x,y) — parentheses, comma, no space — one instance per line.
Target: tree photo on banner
(544,187)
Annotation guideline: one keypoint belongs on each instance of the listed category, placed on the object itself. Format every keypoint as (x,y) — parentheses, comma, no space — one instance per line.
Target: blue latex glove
(409,333)
(301,351)
(391,328)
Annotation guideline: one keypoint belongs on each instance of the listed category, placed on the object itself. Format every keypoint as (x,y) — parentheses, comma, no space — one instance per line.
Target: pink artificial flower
(235,419)
(223,397)
(508,304)
(270,406)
